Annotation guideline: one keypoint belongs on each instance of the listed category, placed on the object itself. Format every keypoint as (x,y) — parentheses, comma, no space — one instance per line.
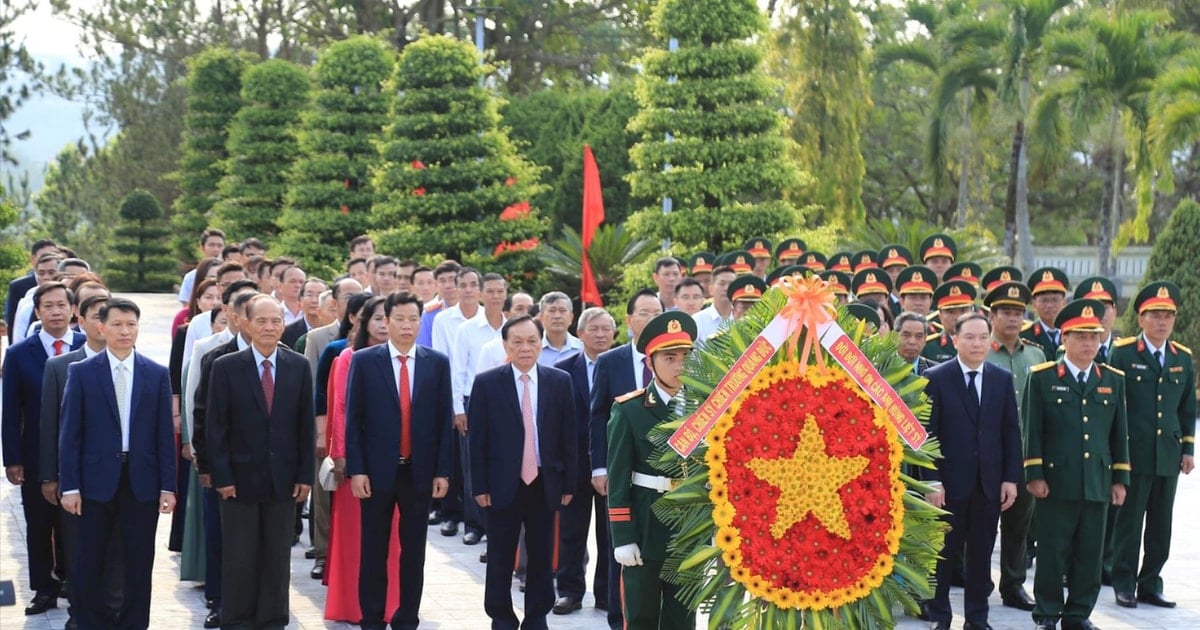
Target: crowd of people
(400,398)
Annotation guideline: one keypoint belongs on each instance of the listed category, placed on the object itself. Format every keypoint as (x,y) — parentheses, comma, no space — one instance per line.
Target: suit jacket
(979,448)
(318,338)
(614,377)
(90,443)
(293,332)
(263,454)
(54,382)
(373,418)
(498,435)
(20,425)
(199,435)
(16,290)
(576,366)
(1161,405)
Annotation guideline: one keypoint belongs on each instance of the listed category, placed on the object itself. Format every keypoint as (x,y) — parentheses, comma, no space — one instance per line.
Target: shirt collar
(394,352)
(113,361)
(258,357)
(1151,347)
(966,368)
(573,343)
(48,339)
(533,375)
(88,352)
(1075,370)
(638,356)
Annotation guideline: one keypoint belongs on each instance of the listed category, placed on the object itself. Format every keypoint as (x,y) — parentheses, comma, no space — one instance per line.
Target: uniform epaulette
(1181,347)
(1042,366)
(1112,369)
(932,336)
(1031,343)
(630,395)
(1026,326)
(1124,341)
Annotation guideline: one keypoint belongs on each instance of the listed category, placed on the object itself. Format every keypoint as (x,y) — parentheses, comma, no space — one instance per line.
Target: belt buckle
(403,461)
(673,484)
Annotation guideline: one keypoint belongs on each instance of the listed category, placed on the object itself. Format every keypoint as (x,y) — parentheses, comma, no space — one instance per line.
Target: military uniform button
(1160,414)
(1160,431)
(1085,418)
(1086,436)
(1087,455)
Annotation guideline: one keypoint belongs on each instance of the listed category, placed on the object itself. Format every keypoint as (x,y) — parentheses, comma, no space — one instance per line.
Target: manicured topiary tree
(330,198)
(144,262)
(262,148)
(727,151)
(214,84)
(453,182)
(1173,258)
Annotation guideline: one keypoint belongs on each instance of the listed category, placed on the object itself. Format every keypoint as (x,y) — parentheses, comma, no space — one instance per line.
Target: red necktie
(405,410)
(58,346)
(647,376)
(268,384)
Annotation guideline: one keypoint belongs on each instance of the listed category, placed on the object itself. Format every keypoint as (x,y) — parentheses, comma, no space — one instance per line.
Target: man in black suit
(259,440)
(399,422)
(310,305)
(913,329)
(22,284)
(521,420)
(117,465)
(618,371)
(596,330)
(974,417)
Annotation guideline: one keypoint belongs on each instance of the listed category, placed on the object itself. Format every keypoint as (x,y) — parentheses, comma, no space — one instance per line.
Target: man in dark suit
(399,423)
(618,371)
(24,369)
(596,330)
(260,448)
(22,284)
(913,330)
(974,416)
(521,420)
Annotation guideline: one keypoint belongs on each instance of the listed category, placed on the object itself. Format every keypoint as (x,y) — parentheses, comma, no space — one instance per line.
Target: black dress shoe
(1126,600)
(566,605)
(310,553)
(42,603)
(602,604)
(71,625)
(213,620)
(939,625)
(210,604)
(1043,625)
(471,538)
(1079,625)
(434,519)
(1018,599)
(975,626)
(1155,599)
(449,528)
(64,591)
(318,570)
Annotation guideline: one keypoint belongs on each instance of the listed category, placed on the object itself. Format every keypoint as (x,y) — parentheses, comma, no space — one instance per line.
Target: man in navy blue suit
(618,371)
(521,420)
(24,369)
(117,465)
(22,284)
(399,422)
(596,330)
(974,417)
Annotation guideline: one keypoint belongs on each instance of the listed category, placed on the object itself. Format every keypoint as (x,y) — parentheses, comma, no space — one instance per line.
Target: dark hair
(723,269)
(252,263)
(689,282)
(204,265)
(119,304)
(402,297)
(235,286)
(447,266)
(209,233)
(229,266)
(353,305)
(242,300)
(355,261)
(193,307)
(40,244)
(84,279)
(519,319)
(958,323)
(253,242)
(508,300)
(359,240)
(629,306)
(420,269)
(384,259)
(88,303)
(462,271)
(362,337)
(48,287)
(665,261)
(909,316)
(492,276)
(55,256)
(230,249)
(282,261)
(312,279)
(212,315)
(407,262)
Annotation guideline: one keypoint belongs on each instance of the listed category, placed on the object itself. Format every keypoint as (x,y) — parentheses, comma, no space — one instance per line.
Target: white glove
(628,555)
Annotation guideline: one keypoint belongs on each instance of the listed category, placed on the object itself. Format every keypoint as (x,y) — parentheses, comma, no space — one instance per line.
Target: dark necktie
(59,343)
(972,393)
(268,384)
(1158,357)
(1082,379)
(647,376)
(405,410)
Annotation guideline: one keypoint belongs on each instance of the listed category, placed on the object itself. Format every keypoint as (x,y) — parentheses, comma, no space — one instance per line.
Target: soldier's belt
(659,484)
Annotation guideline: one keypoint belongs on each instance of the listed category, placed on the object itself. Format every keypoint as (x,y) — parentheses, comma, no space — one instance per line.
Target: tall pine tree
(145,262)
(329,200)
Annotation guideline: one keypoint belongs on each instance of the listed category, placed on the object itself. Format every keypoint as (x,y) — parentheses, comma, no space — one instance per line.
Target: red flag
(593,216)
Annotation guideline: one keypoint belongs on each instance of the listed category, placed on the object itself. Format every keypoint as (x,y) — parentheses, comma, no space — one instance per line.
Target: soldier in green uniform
(789,251)
(893,258)
(872,285)
(965,271)
(839,282)
(814,261)
(915,285)
(1160,392)
(1049,287)
(954,299)
(1105,291)
(938,252)
(639,539)
(1006,303)
(745,292)
(739,260)
(760,249)
(998,276)
(866,259)
(1076,463)
(841,261)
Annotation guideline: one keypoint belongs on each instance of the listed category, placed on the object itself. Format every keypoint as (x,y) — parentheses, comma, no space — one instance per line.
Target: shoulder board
(1181,347)
(1029,342)
(1112,369)
(1124,341)
(932,336)
(1042,366)
(1026,326)
(630,396)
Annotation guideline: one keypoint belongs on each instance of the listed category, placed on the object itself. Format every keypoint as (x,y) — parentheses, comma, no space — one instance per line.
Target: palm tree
(1175,116)
(612,250)
(1111,61)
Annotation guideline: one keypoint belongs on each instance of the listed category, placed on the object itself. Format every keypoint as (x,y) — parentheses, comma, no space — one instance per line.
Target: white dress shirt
(258,362)
(533,399)
(48,341)
(491,355)
(23,318)
(1074,370)
(639,362)
(288,316)
(708,322)
(202,347)
(1161,350)
(198,328)
(445,327)
(967,378)
(472,335)
(411,363)
(185,287)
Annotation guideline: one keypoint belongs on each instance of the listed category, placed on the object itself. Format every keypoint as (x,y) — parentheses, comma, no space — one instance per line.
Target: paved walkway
(454,577)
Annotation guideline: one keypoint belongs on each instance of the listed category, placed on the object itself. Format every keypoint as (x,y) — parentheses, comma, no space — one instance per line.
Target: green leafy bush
(144,262)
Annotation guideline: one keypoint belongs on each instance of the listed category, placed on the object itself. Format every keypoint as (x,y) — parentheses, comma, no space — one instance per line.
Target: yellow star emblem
(808,482)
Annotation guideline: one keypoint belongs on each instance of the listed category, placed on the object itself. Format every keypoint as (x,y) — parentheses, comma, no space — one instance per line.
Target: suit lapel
(513,395)
(418,376)
(104,375)
(139,387)
(255,380)
(283,377)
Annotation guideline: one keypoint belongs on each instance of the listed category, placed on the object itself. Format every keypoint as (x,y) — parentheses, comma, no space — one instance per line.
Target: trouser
(474,518)
(212,544)
(529,509)
(972,521)
(41,531)
(1070,537)
(649,602)
(574,521)
(1014,529)
(183,471)
(318,518)
(1151,499)
(377,513)
(256,568)
(114,566)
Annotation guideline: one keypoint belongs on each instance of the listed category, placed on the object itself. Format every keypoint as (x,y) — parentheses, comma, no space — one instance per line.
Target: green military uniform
(954,294)
(1016,520)
(865,259)
(1046,280)
(1161,401)
(648,601)
(1076,440)
(789,250)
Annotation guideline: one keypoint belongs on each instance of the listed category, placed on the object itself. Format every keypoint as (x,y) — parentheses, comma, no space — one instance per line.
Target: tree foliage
(1174,258)
(12,259)
(144,262)
(329,199)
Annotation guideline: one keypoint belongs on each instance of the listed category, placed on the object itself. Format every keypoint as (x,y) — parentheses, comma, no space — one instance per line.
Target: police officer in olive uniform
(1076,463)
(639,539)
(953,299)
(1049,287)
(1006,303)
(1160,386)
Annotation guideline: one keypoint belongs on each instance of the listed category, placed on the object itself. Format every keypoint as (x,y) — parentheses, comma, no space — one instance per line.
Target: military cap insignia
(1014,292)
(673,326)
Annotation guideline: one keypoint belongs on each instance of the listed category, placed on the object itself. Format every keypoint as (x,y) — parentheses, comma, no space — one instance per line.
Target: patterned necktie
(58,346)
(268,384)
(529,470)
(120,386)
(405,410)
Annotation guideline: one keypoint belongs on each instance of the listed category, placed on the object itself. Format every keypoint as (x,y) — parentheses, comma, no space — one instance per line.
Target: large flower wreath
(796,510)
